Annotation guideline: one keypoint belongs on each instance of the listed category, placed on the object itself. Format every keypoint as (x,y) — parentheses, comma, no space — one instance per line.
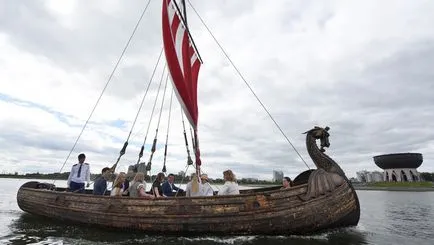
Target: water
(386,218)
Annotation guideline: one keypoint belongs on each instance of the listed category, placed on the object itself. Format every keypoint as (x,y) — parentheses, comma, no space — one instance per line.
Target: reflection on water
(386,218)
(406,213)
(37,230)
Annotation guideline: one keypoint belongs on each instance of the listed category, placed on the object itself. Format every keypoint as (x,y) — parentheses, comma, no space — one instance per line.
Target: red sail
(182,60)
(183,64)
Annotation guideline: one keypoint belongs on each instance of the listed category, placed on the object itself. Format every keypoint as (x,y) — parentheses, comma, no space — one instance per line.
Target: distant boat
(319,199)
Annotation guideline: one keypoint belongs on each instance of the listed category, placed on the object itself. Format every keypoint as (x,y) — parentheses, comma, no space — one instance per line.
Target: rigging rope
(189,160)
(209,180)
(245,81)
(183,177)
(152,113)
(193,142)
(124,148)
(154,144)
(107,83)
(167,134)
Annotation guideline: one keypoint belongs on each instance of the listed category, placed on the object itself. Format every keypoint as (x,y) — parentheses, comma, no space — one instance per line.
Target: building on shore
(277,175)
(367,177)
(253,180)
(400,167)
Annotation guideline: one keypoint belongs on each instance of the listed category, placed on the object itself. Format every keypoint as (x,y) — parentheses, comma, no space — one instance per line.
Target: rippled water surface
(387,218)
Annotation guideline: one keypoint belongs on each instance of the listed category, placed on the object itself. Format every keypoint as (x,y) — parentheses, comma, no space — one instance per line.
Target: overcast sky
(363,68)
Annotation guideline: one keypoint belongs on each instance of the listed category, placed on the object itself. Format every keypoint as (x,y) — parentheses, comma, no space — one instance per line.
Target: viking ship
(319,199)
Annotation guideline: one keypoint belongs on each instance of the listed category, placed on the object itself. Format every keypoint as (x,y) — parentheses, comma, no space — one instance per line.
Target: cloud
(368,78)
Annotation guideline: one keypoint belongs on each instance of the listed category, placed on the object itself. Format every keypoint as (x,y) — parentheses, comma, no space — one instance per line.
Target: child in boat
(231,186)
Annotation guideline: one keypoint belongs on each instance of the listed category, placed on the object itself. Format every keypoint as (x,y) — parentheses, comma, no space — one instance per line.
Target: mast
(184,14)
(195,140)
(184,64)
(183,17)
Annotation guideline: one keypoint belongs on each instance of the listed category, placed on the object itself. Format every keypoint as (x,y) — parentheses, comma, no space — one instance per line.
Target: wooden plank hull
(266,212)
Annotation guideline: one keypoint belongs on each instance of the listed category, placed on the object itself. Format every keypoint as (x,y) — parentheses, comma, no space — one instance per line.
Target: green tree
(427,176)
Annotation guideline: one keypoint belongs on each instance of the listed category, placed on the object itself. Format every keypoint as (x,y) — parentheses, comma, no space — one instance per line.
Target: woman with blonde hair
(192,189)
(118,185)
(231,186)
(138,187)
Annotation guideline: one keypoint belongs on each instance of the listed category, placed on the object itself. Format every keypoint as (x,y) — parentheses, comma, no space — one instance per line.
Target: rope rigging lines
(246,82)
(152,113)
(189,160)
(165,75)
(107,83)
(154,143)
(123,150)
(167,134)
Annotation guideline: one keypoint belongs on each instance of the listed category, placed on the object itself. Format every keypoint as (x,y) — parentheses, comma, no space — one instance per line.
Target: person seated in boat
(231,186)
(118,185)
(138,187)
(286,183)
(156,188)
(100,184)
(169,188)
(205,186)
(80,173)
(193,187)
(128,179)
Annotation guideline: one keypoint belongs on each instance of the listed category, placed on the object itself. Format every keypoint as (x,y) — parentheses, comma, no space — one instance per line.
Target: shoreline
(409,189)
(264,185)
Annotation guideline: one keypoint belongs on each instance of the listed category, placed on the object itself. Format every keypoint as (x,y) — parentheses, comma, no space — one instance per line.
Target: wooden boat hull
(259,211)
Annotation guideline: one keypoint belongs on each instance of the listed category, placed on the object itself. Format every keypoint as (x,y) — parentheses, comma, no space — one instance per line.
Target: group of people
(133,184)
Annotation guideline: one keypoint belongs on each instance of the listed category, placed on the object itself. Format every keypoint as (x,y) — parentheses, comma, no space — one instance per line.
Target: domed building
(400,166)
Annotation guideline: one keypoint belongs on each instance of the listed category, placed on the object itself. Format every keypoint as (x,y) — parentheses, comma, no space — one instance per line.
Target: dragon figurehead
(321,134)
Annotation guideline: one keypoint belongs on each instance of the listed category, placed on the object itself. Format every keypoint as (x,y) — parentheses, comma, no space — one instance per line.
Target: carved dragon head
(321,134)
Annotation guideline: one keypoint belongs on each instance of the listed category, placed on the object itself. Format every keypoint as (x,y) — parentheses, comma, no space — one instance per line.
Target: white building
(366,176)
(277,175)
(400,167)
(401,174)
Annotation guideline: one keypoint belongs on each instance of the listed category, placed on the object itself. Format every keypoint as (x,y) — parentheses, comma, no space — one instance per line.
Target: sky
(363,68)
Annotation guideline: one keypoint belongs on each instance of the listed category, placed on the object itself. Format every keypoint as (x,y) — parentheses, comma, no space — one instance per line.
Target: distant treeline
(178,178)
(427,176)
(54,176)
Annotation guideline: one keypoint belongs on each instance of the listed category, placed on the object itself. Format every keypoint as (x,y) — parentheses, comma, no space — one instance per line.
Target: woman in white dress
(117,185)
(205,186)
(231,186)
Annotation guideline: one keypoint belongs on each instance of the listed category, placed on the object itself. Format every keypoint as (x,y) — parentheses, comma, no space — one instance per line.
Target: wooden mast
(183,17)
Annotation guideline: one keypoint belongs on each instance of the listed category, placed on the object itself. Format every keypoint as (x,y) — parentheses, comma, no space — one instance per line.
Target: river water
(386,218)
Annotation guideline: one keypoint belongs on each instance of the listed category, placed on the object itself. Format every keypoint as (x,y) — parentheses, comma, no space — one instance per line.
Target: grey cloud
(366,114)
(383,107)
(32,27)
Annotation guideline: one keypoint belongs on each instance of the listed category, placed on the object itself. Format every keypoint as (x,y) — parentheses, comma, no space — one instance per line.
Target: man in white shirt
(80,173)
